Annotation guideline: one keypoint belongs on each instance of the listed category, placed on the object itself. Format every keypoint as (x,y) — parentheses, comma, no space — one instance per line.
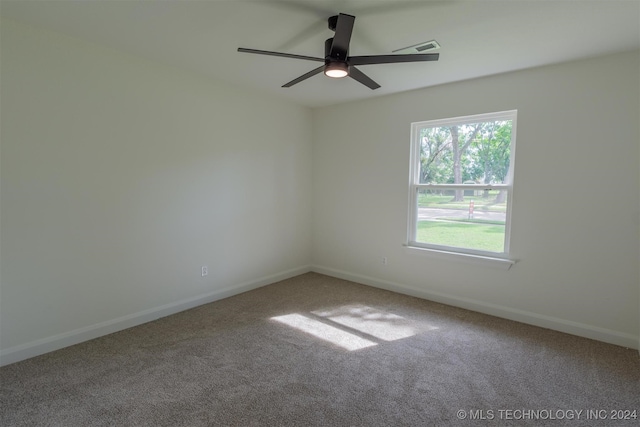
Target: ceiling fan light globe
(336,70)
(336,74)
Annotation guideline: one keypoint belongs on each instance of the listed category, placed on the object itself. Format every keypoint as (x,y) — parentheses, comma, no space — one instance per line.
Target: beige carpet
(315,350)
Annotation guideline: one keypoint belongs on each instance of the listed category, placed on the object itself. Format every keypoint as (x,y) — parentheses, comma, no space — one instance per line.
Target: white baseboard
(549,322)
(56,342)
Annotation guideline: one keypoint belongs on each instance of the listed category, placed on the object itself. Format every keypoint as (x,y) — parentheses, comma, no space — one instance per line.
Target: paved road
(436,213)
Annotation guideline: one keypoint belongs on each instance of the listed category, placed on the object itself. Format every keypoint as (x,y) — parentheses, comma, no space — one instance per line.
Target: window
(461,184)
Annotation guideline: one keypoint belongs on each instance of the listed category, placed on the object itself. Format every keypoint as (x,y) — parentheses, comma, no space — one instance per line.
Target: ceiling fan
(337,63)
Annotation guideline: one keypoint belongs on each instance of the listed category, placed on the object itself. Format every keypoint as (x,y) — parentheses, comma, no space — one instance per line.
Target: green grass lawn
(477,236)
(480,203)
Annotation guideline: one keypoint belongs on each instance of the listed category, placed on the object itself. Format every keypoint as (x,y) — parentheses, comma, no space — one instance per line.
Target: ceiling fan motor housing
(331,63)
(328,43)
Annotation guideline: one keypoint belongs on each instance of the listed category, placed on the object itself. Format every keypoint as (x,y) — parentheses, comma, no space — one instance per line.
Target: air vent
(419,48)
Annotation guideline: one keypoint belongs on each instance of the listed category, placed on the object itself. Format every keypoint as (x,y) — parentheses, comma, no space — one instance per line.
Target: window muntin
(461,183)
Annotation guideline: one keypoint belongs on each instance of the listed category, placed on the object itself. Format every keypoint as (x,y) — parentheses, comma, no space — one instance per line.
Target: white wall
(121,178)
(575,203)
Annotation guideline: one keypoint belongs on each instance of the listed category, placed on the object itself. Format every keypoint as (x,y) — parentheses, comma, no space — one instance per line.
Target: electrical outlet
(205,270)
(383,260)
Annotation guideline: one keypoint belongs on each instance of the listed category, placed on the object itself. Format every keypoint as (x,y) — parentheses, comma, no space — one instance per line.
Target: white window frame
(498,259)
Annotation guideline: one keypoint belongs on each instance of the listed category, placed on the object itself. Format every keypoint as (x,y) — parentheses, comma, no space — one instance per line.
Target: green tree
(478,152)
(435,151)
(493,152)
(460,141)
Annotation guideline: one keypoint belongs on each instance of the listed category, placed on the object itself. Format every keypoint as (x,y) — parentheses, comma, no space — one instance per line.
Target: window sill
(488,261)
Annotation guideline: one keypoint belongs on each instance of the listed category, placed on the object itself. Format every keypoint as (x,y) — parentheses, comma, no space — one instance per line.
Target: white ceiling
(478,38)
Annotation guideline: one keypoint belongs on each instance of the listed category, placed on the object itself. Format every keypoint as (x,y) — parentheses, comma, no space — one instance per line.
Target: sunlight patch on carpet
(371,321)
(325,332)
(349,326)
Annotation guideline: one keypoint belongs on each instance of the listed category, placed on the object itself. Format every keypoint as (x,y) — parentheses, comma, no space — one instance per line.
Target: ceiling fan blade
(391,59)
(285,55)
(358,75)
(304,76)
(340,45)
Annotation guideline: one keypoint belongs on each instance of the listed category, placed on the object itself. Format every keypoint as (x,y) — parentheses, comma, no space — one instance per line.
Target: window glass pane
(471,153)
(476,222)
